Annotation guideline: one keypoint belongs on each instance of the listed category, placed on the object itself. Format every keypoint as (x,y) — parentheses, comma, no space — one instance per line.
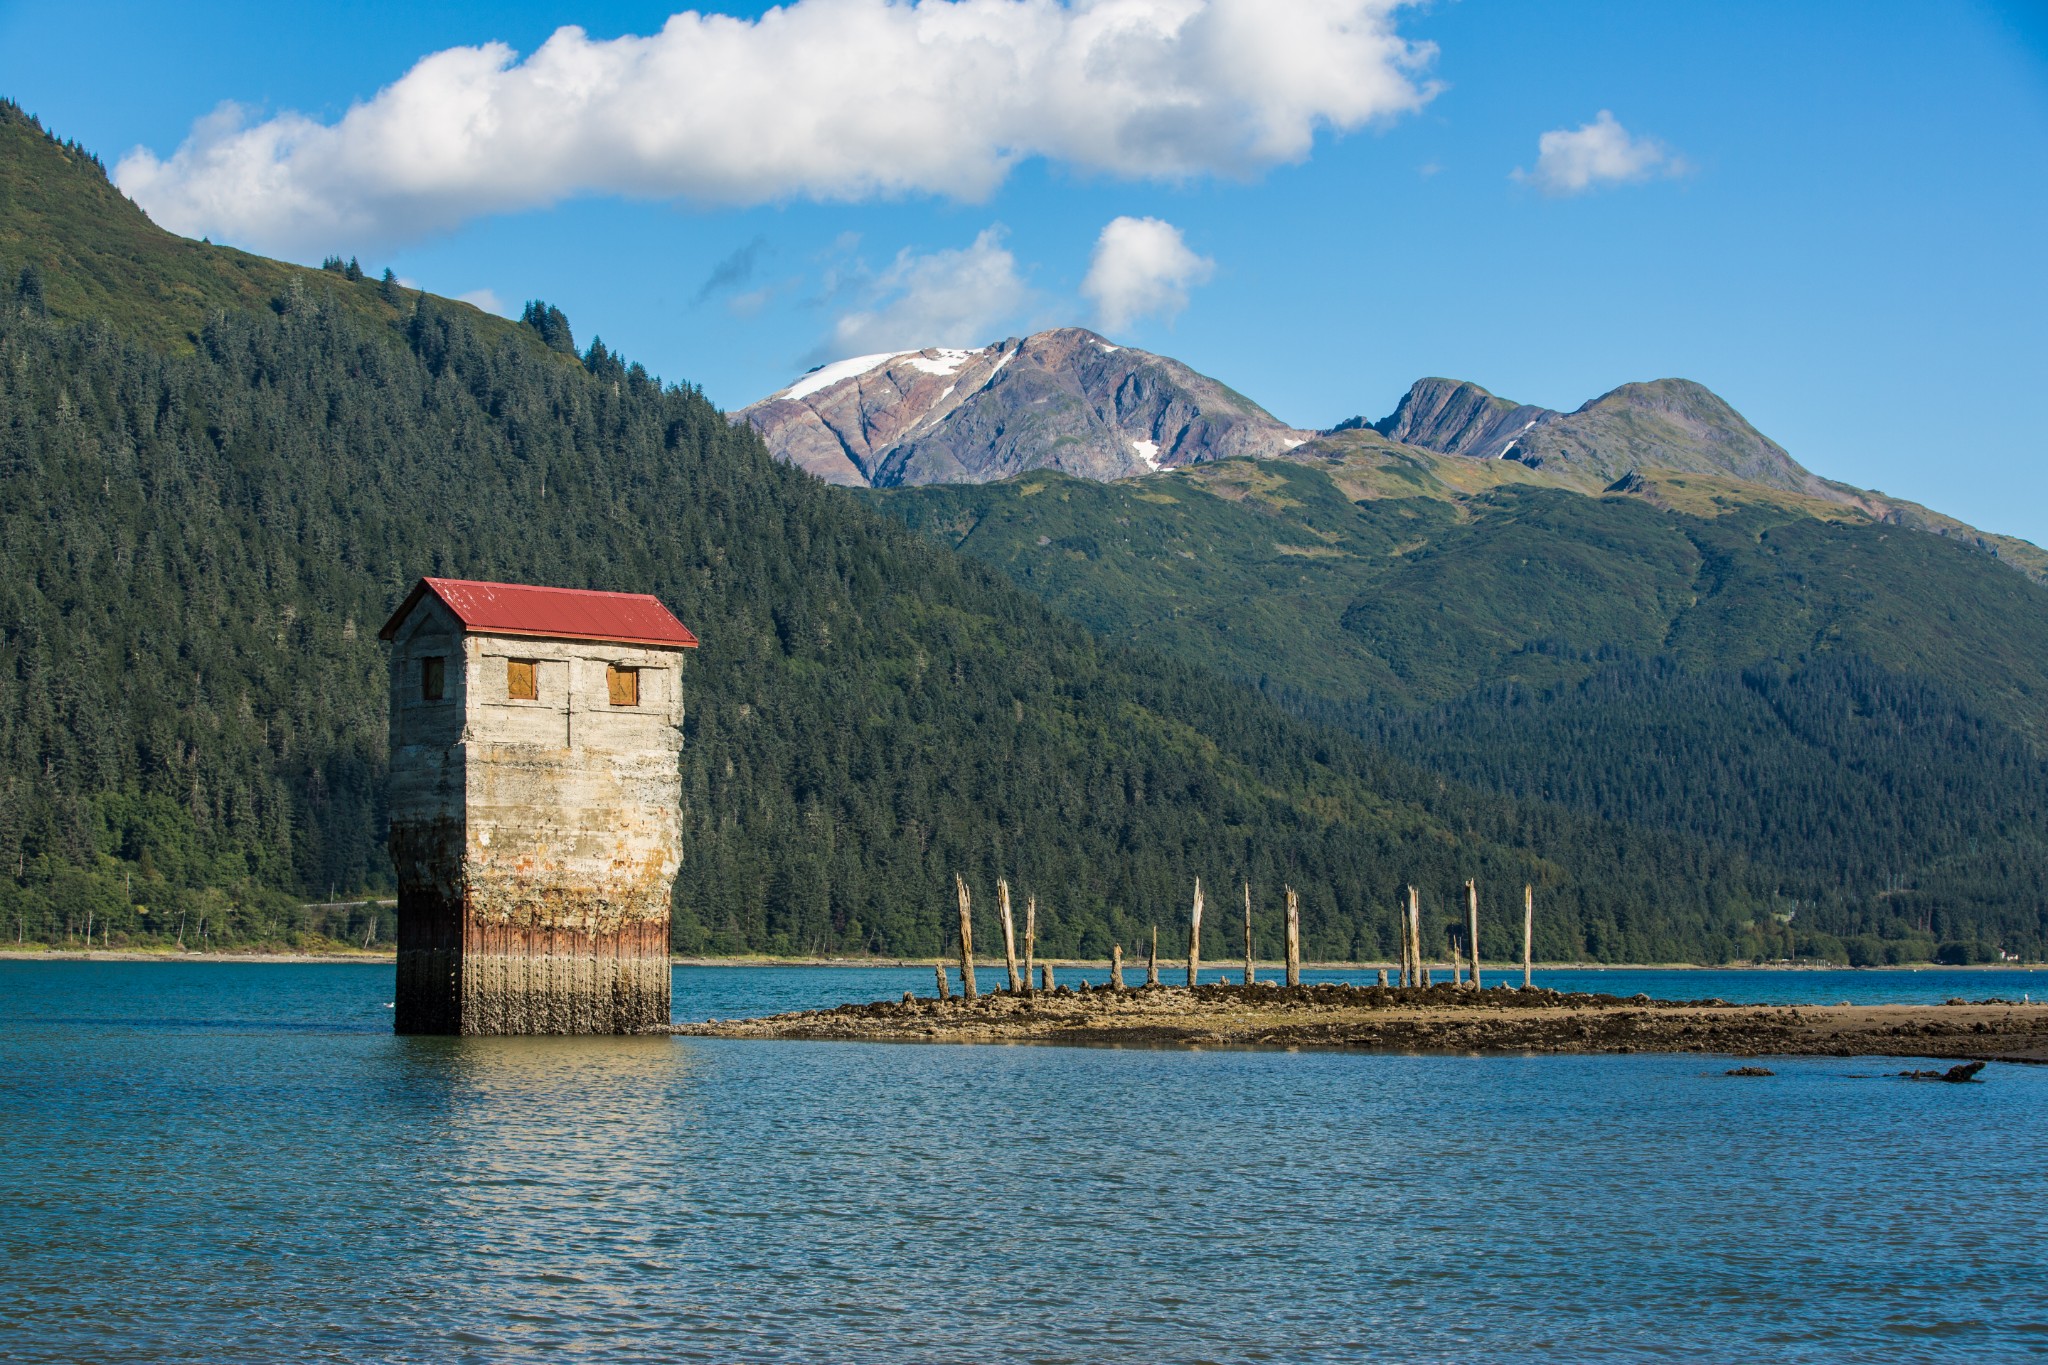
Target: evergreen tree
(552,326)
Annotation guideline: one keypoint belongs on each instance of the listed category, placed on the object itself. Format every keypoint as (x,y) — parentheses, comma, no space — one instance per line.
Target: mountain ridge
(1065,399)
(1057,400)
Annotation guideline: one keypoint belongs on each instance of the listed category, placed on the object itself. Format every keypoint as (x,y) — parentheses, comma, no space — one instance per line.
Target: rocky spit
(1442,1018)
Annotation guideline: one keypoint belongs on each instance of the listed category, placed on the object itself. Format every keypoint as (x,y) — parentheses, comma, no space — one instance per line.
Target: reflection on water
(303,1185)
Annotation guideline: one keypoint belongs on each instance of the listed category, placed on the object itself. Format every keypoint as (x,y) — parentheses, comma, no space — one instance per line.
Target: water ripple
(287,1190)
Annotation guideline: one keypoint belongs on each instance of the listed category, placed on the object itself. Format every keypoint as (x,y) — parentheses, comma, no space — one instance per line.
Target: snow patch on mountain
(825,376)
(943,360)
(1148,451)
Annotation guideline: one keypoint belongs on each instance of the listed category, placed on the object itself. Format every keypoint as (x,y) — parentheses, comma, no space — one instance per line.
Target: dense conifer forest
(208,506)
(1858,707)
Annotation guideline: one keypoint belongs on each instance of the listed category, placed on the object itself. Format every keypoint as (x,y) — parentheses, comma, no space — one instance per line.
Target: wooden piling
(1472,928)
(966,939)
(1116,966)
(1457,962)
(1045,972)
(1528,929)
(1293,938)
(1030,938)
(1152,963)
(1418,976)
(1408,977)
(945,990)
(1415,934)
(1383,977)
(1248,978)
(1195,938)
(1401,931)
(1009,935)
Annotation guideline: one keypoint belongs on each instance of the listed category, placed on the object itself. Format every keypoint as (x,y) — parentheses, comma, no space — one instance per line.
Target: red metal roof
(631,618)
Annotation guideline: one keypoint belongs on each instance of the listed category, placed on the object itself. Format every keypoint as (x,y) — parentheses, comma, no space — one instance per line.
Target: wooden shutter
(623,684)
(433,677)
(520,683)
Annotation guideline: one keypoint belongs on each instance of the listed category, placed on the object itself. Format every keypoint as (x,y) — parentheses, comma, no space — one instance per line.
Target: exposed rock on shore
(1435,1019)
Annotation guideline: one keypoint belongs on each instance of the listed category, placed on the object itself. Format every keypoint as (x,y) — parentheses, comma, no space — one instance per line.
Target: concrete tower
(535,807)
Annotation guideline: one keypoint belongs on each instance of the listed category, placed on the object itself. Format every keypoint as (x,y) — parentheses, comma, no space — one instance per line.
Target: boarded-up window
(520,683)
(624,685)
(433,677)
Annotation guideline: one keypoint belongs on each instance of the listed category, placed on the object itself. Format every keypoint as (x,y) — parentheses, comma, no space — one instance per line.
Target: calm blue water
(239,1162)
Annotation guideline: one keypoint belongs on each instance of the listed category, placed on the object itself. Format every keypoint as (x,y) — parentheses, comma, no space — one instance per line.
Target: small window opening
(520,682)
(623,684)
(433,677)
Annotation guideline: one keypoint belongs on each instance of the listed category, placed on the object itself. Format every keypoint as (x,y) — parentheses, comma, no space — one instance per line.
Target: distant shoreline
(1178,966)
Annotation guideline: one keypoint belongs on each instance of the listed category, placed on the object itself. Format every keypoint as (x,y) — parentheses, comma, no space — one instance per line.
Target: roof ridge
(492,607)
(537,587)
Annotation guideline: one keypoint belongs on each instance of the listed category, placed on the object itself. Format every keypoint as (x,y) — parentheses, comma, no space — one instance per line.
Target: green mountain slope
(1860,707)
(207,508)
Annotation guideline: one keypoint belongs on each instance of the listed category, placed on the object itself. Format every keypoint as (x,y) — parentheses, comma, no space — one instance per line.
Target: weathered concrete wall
(536,841)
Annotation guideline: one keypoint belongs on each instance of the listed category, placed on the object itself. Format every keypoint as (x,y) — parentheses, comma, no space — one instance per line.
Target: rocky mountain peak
(1672,424)
(1066,399)
(1458,418)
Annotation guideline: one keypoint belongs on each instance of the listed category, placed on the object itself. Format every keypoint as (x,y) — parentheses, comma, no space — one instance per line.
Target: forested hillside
(1860,707)
(201,530)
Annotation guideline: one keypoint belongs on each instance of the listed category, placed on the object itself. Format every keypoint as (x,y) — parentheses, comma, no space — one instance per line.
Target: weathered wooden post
(1457,962)
(1045,971)
(1009,935)
(1030,938)
(966,939)
(1528,929)
(1247,931)
(1410,977)
(1401,929)
(1152,963)
(1415,935)
(1383,978)
(1472,928)
(1195,938)
(945,990)
(1293,938)
(1116,966)
(1418,977)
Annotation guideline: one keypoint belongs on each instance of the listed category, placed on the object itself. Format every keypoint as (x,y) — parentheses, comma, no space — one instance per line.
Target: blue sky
(1831,214)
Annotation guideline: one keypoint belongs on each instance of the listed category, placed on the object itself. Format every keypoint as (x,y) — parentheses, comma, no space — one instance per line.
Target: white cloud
(825,99)
(1141,268)
(1572,161)
(485,299)
(955,297)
